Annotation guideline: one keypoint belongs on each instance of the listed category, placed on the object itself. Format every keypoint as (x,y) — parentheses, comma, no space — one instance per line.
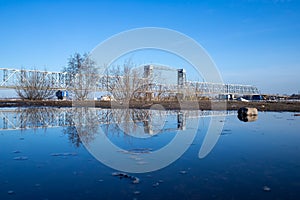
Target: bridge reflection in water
(46,117)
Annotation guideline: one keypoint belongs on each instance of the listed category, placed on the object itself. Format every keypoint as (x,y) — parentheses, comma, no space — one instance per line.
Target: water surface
(42,157)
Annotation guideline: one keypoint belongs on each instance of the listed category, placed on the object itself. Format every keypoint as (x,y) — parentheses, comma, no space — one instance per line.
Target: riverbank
(289,106)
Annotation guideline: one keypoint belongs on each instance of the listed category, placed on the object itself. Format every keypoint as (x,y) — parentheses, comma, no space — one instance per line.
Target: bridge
(59,81)
(34,118)
(10,77)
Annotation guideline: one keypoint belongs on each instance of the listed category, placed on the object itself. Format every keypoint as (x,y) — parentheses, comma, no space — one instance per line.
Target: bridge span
(59,81)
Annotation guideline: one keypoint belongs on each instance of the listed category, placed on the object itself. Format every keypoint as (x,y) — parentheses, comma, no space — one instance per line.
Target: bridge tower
(148,71)
(148,74)
(5,75)
(181,77)
(181,80)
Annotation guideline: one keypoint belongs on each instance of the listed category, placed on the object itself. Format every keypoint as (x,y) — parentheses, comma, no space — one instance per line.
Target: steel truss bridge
(59,81)
(46,117)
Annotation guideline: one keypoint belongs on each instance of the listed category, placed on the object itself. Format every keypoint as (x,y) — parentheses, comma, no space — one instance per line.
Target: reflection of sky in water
(247,157)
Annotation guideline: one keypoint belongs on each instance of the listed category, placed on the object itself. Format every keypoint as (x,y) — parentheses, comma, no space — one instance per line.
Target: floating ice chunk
(21,158)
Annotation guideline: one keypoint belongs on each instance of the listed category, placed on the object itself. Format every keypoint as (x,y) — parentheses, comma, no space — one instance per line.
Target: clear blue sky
(253,42)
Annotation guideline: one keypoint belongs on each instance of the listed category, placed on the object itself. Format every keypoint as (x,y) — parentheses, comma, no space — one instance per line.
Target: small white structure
(242,99)
(107,98)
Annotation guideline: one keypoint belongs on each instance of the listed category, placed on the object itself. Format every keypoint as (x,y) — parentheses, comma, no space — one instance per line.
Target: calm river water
(59,154)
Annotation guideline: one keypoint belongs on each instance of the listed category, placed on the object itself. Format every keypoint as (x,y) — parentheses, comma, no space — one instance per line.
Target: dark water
(254,160)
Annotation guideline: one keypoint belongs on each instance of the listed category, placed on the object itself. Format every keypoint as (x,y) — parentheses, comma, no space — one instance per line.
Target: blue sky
(253,42)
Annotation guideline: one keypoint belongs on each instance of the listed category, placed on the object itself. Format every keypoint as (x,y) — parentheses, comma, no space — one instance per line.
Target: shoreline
(168,105)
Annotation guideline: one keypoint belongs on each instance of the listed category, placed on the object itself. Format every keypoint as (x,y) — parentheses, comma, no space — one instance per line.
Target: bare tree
(34,85)
(82,76)
(125,82)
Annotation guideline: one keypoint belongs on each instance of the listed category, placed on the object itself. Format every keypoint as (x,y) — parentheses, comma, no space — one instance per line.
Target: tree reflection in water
(36,117)
(84,123)
(81,124)
(71,131)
